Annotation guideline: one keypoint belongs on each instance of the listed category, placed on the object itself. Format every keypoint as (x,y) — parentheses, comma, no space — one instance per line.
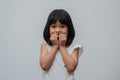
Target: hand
(62,39)
(54,39)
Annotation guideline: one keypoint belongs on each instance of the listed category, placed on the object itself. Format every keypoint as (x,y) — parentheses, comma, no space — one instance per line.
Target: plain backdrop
(97,25)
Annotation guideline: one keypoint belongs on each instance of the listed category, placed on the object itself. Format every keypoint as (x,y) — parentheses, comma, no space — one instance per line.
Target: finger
(53,35)
(63,36)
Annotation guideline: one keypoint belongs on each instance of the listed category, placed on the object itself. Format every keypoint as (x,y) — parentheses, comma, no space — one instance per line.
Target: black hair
(64,18)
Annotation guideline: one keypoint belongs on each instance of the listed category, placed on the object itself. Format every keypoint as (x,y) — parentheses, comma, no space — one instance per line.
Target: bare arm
(47,58)
(71,61)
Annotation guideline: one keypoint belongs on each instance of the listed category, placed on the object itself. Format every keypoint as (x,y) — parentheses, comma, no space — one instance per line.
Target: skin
(58,36)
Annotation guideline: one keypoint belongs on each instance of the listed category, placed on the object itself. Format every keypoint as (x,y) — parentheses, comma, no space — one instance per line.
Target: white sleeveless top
(58,70)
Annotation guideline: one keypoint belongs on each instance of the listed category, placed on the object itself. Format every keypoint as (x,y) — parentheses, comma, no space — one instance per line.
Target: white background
(97,25)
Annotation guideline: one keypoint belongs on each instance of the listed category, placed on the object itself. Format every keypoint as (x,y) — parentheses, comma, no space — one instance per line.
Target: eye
(63,26)
(52,26)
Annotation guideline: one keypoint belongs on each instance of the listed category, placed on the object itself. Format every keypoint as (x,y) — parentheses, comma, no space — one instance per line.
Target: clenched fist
(62,39)
(54,39)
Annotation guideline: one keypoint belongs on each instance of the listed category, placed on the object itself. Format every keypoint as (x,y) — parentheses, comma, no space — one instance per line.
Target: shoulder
(75,46)
(44,44)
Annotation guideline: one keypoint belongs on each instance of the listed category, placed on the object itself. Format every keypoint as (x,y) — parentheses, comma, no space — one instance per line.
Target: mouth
(58,36)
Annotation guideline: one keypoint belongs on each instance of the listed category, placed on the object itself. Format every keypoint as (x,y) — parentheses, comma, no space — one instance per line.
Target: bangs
(63,19)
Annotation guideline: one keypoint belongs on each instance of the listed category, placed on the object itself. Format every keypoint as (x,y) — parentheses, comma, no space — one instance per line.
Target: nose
(58,30)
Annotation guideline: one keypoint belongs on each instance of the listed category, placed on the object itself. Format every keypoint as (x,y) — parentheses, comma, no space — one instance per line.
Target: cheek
(65,31)
(52,31)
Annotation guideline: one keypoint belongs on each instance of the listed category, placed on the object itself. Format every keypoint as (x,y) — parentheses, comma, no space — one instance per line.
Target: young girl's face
(58,28)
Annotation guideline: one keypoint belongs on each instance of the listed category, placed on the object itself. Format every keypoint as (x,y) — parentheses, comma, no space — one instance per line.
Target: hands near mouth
(58,39)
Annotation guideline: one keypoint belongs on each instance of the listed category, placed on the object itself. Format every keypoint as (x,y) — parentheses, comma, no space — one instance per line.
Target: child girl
(58,55)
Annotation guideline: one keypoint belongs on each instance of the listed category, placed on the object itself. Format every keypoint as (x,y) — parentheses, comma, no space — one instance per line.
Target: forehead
(58,22)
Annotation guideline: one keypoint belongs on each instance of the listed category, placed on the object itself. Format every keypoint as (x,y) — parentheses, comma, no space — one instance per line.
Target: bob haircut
(64,18)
